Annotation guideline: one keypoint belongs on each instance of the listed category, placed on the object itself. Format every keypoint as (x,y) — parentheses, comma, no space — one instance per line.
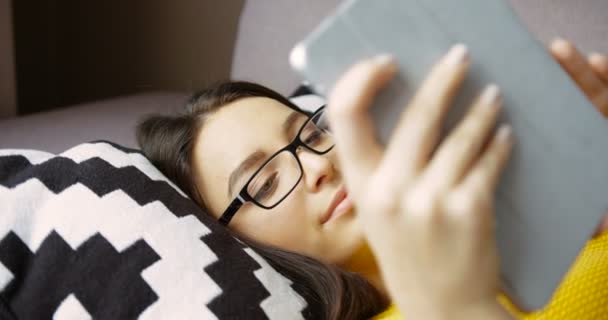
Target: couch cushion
(112,119)
(267,32)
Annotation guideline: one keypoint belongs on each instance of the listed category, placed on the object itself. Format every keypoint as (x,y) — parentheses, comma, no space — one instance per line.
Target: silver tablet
(555,189)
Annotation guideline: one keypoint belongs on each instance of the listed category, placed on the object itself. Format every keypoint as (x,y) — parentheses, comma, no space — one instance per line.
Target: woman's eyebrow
(290,121)
(255,157)
(244,166)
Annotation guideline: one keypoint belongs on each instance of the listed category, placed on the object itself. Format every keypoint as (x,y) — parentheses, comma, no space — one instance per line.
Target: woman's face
(256,126)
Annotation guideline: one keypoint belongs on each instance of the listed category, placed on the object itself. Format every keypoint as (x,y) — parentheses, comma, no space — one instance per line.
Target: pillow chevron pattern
(97,232)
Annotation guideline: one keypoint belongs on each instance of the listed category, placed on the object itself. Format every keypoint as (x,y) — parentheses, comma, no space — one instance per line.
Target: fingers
(418,130)
(599,64)
(462,146)
(580,71)
(357,149)
(486,172)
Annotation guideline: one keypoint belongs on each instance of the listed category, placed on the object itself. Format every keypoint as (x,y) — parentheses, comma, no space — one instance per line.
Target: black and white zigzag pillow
(98,232)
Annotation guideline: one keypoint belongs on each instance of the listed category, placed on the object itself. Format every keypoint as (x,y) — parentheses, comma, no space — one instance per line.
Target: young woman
(421,235)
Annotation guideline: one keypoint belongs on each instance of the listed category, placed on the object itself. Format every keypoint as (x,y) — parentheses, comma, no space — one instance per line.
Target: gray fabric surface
(268,30)
(112,119)
(583,21)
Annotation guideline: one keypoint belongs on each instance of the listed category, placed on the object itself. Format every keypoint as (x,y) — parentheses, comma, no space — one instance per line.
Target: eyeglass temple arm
(234,206)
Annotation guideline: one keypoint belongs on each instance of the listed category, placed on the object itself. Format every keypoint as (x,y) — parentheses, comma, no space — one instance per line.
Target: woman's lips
(343,207)
(340,205)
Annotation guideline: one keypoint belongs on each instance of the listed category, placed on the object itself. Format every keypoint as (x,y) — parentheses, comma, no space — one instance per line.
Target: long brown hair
(167,140)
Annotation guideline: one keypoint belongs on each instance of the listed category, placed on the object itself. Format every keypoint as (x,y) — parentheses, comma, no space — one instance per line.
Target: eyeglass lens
(280,175)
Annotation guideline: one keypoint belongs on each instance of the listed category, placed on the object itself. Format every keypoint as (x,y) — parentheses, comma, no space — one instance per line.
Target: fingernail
(457,54)
(504,132)
(385,60)
(490,95)
(561,47)
(559,40)
(596,57)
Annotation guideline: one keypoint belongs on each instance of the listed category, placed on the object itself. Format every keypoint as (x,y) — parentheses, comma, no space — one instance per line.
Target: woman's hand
(428,215)
(591,76)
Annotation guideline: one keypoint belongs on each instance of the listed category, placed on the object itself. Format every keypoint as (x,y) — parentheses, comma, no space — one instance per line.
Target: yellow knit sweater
(582,295)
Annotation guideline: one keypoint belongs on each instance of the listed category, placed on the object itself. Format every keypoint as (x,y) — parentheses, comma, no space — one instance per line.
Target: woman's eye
(267,188)
(312,138)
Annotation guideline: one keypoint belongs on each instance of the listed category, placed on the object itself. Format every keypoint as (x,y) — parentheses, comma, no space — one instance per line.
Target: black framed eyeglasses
(278,176)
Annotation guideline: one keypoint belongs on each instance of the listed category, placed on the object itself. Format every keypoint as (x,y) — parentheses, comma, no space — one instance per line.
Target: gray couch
(267,31)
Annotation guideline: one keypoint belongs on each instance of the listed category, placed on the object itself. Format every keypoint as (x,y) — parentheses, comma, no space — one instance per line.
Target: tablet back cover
(555,188)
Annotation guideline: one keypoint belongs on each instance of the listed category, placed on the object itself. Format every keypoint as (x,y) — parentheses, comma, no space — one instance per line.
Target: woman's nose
(318,169)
